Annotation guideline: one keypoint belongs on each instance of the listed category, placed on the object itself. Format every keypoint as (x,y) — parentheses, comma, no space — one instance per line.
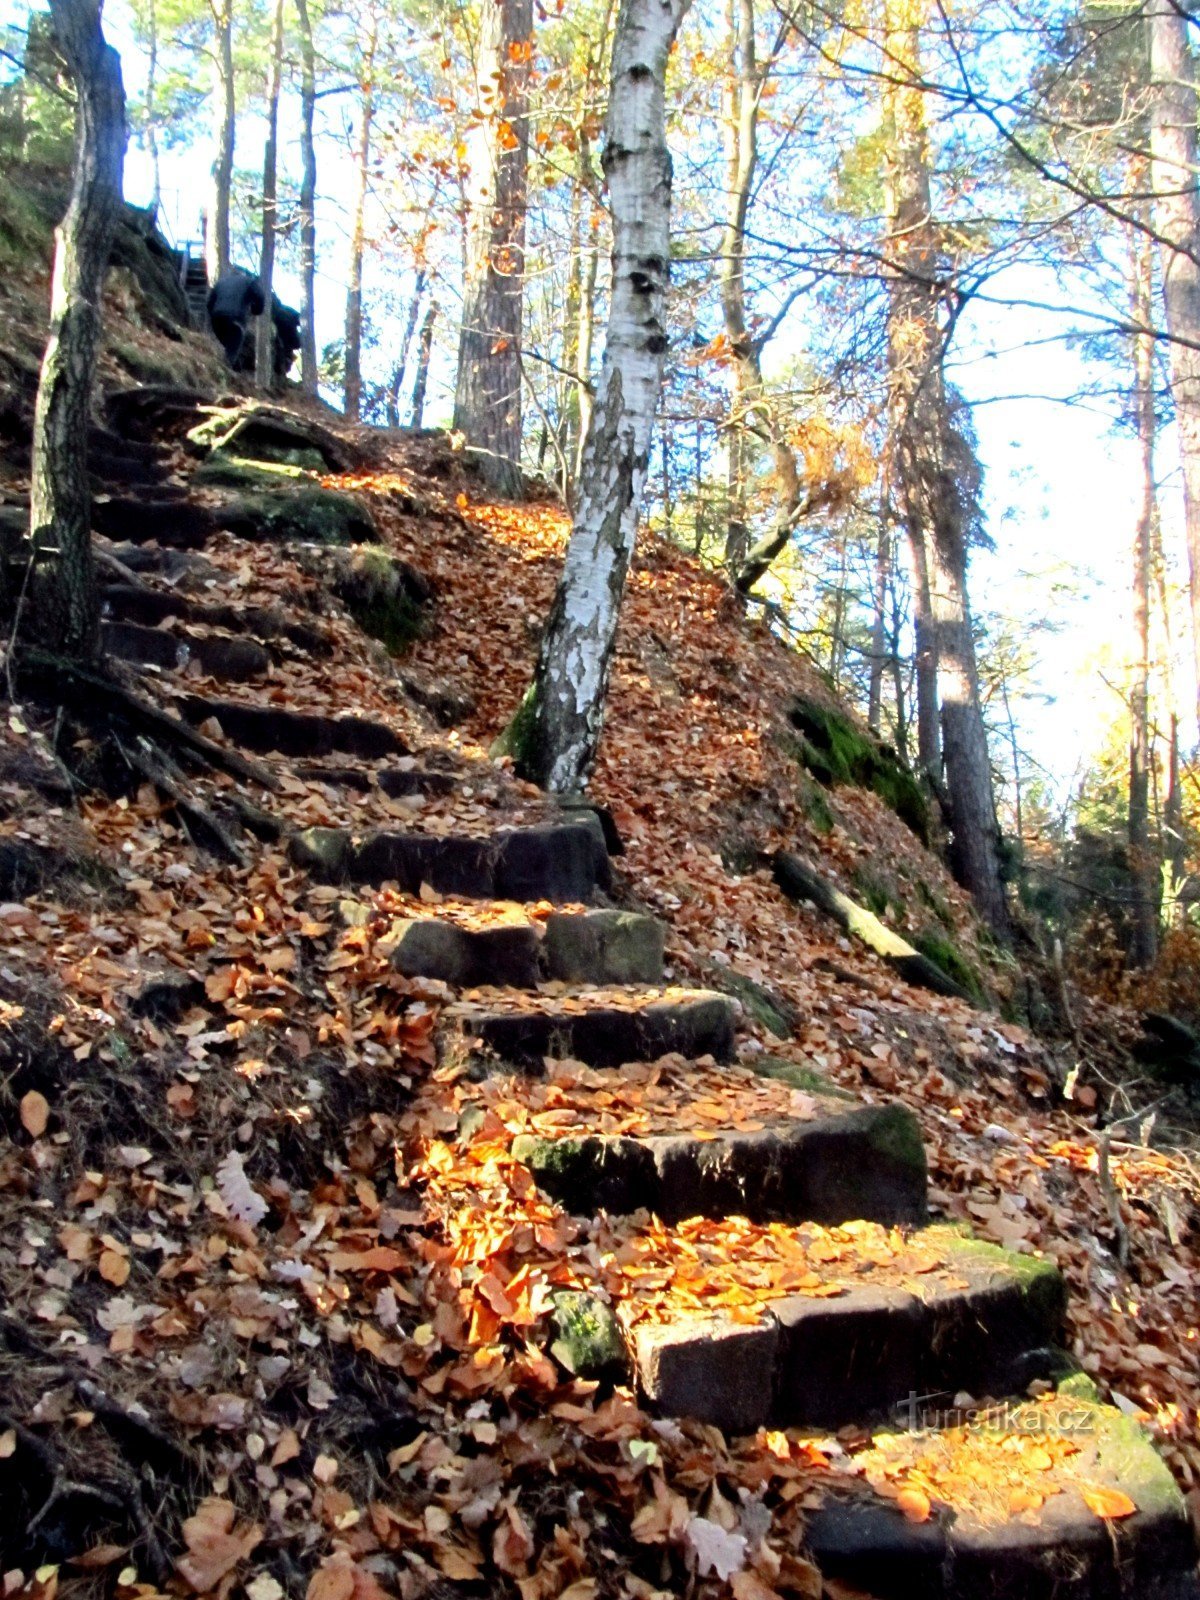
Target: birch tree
(556,733)
(487,398)
(60,502)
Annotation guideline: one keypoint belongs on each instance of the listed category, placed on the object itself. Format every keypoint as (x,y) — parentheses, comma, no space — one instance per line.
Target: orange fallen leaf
(114,1268)
(214,1545)
(914,1503)
(1108,1504)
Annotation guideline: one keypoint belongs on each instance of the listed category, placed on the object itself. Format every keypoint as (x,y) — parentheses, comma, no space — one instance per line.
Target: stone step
(564,863)
(396,782)
(294,733)
(605,1027)
(516,951)
(237,660)
(842,1163)
(1009,1520)
(124,602)
(167,519)
(876,1324)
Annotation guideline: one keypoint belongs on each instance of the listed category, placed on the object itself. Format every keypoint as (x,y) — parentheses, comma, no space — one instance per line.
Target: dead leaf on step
(1108,1504)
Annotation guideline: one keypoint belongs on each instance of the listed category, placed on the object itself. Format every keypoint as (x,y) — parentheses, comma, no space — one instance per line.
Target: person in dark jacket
(232,301)
(286,323)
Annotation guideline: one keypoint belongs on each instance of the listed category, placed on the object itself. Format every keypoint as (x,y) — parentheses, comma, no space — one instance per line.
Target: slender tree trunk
(1176,839)
(399,372)
(930,465)
(421,382)
(264,353)
(60,502)
(1173,149)
(753,414)
(217,244)
(975,844)
(308,202)
(1014,751)
(1143,943)
(354,318)
(557,731)
(587,338)
(152,107)
(883,573)
(913,336)
(487,400)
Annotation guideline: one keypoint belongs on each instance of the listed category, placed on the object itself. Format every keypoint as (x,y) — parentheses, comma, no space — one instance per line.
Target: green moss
(935,904)
(149,365)
(938,949)
(287,505)
(1078,1386)
(806,1079)
(26,222)
(767,1009)
(874,892)
(239,472)
(588,1340)
(817,808)
(895,1134)
(517,739)
(548,1157)
(836,752)
(1040,1281)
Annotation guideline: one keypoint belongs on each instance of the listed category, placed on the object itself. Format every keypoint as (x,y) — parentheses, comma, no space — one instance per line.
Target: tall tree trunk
(152,107)
(975,844)
(587,340)
(421,382)
(487,399)
(1143,943)
(308,202)
(557,731)
(400,370)
(931,466)
(217,243)
(913,335)
(753,414)
(60,502)
(883,578)
(354,319)
(264,353)
(1173,178)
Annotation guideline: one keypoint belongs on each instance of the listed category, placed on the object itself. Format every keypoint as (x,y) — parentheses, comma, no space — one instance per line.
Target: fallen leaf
(1108,1504)
(215,1545)
(35,1113)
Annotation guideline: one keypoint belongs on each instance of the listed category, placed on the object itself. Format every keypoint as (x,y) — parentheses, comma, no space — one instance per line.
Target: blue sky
(1061,483)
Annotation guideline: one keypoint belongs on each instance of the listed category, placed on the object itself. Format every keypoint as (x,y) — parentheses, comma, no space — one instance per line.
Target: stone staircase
(837,1306)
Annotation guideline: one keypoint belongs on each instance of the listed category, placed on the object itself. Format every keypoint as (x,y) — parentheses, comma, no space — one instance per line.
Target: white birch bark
(557,732)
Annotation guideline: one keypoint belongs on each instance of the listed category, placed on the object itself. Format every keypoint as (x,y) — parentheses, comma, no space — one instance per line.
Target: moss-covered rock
(836,752)
(937,948)
(388,598)
(283,504)
(771,1011)
(588,1340)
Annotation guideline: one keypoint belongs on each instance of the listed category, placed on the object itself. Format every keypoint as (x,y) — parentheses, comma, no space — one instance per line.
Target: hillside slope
(306,1288)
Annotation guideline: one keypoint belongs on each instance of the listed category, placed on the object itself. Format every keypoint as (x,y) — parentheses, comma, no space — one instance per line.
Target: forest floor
(240,1244)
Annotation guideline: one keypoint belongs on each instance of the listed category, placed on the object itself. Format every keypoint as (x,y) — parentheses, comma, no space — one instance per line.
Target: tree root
(53,680)
(156,767)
